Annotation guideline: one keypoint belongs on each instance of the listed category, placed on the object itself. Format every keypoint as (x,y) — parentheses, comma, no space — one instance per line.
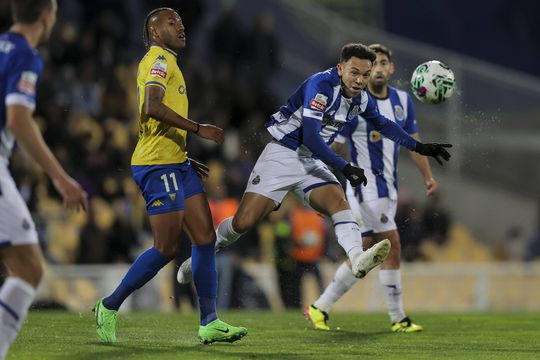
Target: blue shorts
(165,187)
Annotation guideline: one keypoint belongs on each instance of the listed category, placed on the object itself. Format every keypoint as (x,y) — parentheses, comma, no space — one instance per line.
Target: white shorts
(280,170)
(376,216)
(16,225)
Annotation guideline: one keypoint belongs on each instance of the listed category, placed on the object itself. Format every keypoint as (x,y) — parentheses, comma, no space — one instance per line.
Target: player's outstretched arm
(153,107)
(25,130)
(395,133)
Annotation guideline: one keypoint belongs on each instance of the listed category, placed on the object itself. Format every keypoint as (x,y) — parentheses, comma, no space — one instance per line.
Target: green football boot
(220,331)
(105,322)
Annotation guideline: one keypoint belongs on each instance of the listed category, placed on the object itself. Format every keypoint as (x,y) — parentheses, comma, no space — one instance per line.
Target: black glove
(434,150)
(355,175)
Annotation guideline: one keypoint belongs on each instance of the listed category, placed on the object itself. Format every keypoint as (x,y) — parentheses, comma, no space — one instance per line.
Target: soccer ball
(432,82)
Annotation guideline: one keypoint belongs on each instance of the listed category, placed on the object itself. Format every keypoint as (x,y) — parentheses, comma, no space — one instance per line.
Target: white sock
(348,233)
(341,283)
(16,296)
(391,281)
(225,234)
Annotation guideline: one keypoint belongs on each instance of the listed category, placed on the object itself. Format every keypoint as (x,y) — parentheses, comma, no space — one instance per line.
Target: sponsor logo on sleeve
(6,46)
(159,69)
(319,102)
(27,83)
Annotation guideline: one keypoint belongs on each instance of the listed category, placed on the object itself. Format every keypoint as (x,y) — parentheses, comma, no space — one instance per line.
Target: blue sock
(145,267)
(203,265)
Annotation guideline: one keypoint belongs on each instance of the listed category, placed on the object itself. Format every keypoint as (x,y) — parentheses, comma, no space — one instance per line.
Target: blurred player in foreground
(168,181)
(20,68)
(295,161)
(376,203)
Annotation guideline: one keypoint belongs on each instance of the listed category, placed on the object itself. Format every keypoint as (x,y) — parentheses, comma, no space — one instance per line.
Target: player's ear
(391,68)
(340,69)
(153,32)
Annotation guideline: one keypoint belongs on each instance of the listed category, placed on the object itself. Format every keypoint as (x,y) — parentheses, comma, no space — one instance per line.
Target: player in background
(295,161)
(20,68)
(168,181)
(376,203)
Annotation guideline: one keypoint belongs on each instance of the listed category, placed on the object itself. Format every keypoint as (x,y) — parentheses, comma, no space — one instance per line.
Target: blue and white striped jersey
(375,153)
(317,111)
(20,68)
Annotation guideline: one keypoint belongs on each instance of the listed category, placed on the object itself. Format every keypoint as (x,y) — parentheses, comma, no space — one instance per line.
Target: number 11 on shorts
(166,182)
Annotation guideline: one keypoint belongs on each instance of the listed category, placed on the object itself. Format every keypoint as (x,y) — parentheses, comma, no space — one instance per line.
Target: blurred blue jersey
(373,152)
(317,110)
(20,68)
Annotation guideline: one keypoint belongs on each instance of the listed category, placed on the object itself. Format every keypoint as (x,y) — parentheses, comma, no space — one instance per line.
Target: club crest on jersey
(399,113)
(374,136)
(355,110)
(172,196)
(159,69)
(319,102)
(27,83)
(182,89)
(384,218)
(256,180)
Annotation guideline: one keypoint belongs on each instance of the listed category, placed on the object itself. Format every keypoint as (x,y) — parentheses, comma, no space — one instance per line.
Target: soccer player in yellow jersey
(168,181)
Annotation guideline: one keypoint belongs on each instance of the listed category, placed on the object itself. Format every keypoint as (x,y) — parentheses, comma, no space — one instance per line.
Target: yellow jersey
(158,142)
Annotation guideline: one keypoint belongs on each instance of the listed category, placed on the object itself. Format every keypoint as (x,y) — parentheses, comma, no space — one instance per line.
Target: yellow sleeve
(159,70)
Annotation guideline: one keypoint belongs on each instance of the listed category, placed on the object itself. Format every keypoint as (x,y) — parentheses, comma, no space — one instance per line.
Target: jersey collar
(166,49)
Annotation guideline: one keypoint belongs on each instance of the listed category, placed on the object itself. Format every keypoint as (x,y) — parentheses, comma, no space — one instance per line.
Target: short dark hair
(146,35)
(357,50)
(28,11)
(381,49)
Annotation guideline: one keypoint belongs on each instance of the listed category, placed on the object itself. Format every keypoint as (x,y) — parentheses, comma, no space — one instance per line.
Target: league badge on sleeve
(319,102)
(159,69)
(27,83)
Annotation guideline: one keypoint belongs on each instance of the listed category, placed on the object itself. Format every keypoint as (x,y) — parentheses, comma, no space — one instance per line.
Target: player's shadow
(346,336)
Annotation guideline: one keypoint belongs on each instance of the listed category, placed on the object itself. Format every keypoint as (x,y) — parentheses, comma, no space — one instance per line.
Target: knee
(204,237)
(33,273)
(168,250)
(242,222)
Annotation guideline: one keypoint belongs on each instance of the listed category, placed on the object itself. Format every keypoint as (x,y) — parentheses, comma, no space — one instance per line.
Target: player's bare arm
(25,130)
(153,107)
(422,164)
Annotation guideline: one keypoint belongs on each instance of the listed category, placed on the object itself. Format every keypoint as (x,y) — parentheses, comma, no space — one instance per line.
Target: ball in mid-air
(432,82)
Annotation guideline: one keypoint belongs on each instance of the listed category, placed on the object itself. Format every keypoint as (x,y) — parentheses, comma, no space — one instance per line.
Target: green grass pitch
(64,335)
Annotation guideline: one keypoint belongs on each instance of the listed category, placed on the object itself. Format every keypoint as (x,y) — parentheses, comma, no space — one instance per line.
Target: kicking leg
(330,200)
(252,209)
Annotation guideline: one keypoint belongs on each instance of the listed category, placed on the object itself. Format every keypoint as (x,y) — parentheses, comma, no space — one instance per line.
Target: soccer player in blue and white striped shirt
(297,158)
(376,203)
